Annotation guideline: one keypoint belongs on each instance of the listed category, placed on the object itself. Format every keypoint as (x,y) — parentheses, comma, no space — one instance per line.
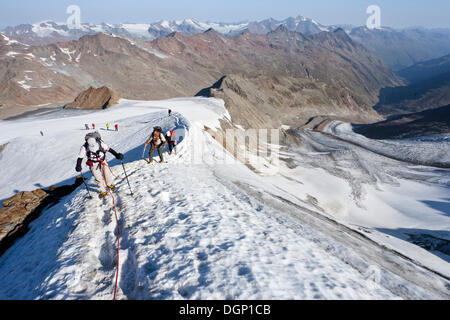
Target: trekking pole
(123,166)
(85,184)
(143,152)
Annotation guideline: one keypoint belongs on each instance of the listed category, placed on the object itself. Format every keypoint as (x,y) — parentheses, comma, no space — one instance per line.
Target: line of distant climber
(87,127)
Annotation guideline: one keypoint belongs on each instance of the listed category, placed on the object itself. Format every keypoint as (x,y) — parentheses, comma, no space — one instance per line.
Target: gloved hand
(118,156)
(78,167)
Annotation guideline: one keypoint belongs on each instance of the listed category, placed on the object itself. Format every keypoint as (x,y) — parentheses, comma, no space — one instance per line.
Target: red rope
(105,164)
(117,223)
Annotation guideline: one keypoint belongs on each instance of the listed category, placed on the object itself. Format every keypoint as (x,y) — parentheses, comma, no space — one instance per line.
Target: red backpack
(155,136)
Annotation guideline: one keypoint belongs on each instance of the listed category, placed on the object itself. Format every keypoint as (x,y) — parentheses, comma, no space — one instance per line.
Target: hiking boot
(112,187)
(162,161)
(102,195)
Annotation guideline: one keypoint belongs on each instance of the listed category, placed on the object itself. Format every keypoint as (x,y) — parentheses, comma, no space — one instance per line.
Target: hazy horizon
(401,14)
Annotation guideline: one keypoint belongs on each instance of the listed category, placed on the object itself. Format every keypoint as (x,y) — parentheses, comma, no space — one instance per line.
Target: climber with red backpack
(171,138)
(158,142)
(95,150)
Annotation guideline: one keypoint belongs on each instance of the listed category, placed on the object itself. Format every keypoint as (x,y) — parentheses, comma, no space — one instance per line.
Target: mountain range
(399,48)
(283,74)
(46,32)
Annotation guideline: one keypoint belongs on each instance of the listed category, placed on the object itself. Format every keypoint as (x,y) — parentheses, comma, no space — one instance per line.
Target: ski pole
(123,166)
(143,152)
(85,184)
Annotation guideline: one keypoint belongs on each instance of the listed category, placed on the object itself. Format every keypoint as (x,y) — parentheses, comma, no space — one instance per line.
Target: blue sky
(394,13)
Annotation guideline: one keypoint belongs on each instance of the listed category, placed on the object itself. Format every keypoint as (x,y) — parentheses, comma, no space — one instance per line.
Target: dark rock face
(21,209)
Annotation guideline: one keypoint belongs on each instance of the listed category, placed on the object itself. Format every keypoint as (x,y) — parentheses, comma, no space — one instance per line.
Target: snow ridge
(189,231)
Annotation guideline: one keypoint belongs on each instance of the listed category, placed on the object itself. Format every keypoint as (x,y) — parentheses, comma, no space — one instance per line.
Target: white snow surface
(191,230)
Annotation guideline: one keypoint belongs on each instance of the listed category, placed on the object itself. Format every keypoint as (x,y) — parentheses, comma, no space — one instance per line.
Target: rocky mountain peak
(212,31)
(340,33)
(280,29)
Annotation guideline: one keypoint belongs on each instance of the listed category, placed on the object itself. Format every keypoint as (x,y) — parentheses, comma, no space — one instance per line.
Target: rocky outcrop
(21,209)
(94,98)
(263,102)
(3,147)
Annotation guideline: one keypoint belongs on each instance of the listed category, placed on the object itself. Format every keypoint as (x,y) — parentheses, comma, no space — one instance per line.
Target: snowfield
(423,153)
(192,229)
(370,186)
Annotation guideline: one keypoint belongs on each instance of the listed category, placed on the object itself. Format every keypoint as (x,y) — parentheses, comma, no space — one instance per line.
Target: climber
(171,138)
(156,141)
(95,150)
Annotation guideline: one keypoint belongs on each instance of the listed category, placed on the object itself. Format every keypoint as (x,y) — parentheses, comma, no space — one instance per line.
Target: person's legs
(97,172)
(152,150)
(109,177)
(160,152)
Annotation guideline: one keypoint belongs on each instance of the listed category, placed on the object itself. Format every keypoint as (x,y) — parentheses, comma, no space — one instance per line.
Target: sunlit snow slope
(191,230)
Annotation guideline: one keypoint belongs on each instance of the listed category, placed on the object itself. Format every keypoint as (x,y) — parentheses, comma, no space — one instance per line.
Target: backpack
(156,136)
(101,153)
(94,135)
(171,136)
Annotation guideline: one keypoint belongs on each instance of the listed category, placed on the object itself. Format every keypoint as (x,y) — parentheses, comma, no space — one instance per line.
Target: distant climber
(107,126)
(93,126)
(42,134)
(170,112)
(156,141)
(87,126)
(95,150)
(171,138)
(116,127)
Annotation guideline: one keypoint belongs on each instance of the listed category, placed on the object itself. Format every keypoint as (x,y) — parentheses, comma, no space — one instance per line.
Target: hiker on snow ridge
(156,141)
(171,138)
(95,150)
